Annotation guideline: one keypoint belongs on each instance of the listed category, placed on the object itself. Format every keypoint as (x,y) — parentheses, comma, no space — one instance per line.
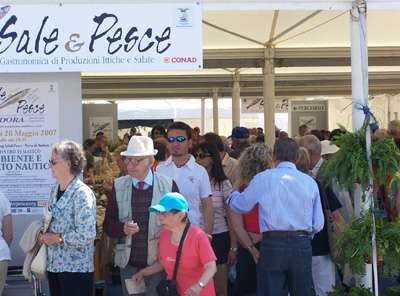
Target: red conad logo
(184,60)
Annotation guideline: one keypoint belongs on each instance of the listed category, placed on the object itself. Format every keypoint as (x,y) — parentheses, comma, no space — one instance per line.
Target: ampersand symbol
(70,46)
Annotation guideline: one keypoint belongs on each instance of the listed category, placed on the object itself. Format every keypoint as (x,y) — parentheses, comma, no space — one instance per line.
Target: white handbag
(38,266)
(39,263)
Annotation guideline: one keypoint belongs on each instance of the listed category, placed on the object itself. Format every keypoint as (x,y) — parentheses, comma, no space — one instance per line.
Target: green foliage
(350,164)
(111,264)
(355,243)
(354,291)
(393,291)
(385,157)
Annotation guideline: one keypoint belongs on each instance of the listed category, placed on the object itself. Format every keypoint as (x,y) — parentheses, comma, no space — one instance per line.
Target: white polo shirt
(193,183)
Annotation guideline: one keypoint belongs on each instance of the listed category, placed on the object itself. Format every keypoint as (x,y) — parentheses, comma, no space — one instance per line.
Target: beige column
(269,96)
(235,100)
(215,110)
(203,116)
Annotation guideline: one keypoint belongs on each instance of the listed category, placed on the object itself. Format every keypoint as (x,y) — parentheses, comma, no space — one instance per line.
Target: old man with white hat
(328,149)
(127,219)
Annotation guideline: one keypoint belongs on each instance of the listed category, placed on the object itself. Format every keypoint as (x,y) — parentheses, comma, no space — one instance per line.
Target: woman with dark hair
(224,242)
(72,228)
(158,131)
(88,147)
(253,160)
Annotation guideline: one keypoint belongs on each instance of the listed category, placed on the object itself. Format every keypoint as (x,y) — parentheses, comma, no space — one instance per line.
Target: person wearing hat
(127,219)
(240,141)
(328,149)
(197,262)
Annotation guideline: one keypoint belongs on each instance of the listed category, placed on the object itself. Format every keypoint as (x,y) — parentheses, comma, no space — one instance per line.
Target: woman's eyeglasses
(134,161)
(53,162)
(202,155)
(164,214)
(178,139)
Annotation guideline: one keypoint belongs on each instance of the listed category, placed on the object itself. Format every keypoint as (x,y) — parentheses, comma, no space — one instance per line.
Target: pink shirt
(196,252)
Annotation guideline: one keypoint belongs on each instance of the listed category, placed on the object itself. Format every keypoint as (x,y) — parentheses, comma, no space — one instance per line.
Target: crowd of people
(218,202)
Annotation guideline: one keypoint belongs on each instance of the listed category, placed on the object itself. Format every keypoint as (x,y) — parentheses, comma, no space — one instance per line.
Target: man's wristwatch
(60,238)
(201,284)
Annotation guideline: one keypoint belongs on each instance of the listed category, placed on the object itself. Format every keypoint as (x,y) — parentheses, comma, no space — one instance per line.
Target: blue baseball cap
(240,132)
(169,201)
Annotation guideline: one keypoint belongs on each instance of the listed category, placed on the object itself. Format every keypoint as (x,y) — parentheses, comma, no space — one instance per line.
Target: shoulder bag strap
(178,253)
(324,197)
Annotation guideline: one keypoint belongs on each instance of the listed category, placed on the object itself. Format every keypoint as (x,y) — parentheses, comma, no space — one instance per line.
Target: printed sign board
(101,37)
(256,105)
(28,129)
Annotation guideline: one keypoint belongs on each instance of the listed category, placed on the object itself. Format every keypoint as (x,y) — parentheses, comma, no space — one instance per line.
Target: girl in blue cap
(197,262)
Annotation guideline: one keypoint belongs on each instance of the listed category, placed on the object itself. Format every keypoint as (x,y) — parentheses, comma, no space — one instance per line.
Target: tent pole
(236,100)
(215,110)
(269,96)
(359,84)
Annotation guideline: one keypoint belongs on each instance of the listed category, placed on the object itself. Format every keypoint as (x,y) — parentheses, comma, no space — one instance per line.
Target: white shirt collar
(148,180)
(315,170)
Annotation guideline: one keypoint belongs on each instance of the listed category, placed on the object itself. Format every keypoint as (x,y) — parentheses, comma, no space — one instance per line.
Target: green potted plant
(354,244)
(354,291)
(350,164)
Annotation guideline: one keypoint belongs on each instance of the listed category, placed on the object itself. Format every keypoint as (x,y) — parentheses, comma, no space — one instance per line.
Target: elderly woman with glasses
(72,228)
(197,261)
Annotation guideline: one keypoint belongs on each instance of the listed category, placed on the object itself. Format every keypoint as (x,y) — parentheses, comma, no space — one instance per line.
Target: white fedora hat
(140,146)
(328,148)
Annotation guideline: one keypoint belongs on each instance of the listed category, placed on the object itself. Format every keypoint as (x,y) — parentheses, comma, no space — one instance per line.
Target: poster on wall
(101,124)
(28,129)
(256,105)
(310,121)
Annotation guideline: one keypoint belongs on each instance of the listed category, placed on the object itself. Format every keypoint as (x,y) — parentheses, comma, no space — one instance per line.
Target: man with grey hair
(127,217)
(303,129)
(317,163)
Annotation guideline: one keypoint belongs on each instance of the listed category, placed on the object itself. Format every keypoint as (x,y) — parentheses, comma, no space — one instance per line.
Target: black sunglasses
(178,139)
(53,162)
(202,155)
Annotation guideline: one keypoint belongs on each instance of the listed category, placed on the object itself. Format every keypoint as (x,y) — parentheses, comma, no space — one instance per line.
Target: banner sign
(101,37)
(256,105)
(28,129)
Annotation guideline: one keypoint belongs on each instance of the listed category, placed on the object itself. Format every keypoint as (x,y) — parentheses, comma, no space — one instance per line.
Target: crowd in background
(249,208)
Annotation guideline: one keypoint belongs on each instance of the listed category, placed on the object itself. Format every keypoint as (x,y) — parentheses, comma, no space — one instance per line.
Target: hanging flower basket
(350,164)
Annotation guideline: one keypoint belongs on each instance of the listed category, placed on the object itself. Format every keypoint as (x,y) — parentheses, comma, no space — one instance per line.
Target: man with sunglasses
(127,219)
(192,178)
